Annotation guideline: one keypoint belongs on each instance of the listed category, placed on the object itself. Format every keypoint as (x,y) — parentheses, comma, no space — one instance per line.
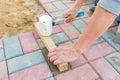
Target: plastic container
(45,22)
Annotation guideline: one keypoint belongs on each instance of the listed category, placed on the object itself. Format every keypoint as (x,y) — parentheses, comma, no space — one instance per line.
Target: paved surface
(21,57)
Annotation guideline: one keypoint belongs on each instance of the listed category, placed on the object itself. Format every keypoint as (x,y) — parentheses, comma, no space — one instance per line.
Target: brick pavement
(21,57)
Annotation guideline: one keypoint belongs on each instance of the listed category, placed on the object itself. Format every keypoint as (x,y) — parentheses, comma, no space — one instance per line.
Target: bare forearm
(99,23)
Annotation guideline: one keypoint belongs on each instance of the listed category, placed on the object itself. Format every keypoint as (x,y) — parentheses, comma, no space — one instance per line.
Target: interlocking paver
(77,63)
(49,7)
(80,25)
(56,29)
(38,72)
(109,37)
(51,78)
(40,43)
(35,35)
(98,41)
(28,42)
(79,73)
(1,44)
(2,57)
(71,32)
(105,70)
(98,51)
(114,59)
(12,47)
(3,71)
(45,1)
(60,5)
(25,61)
(59,38)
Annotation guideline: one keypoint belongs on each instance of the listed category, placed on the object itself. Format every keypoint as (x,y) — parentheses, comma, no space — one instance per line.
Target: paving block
(114,59)
(2,57)
(81,73)
(69,4)
(28,42)
(105,70)
(3,71)
(45,1)
(59,38)
(67,1)
(77,63)
(98,51)
(109,37)
(57,14)
(66,43)
(1,44)
(100,40)
(74,40)
(51,78)
(25,61)
(80,25)
(113,29)
(56,29)
(49,7)
(35,35)
(12,47)
(38,72)
(40,43)
(70,31)
(60,5)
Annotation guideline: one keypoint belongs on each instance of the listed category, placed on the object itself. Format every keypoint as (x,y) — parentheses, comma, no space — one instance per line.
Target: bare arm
(99,23)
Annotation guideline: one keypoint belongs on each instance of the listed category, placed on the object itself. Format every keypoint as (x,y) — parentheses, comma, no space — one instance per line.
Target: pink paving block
(3,71)
(56,29)
(80,61)
(49,7)
(38,72)
(1,44)
(105,70)
(36,35)
(98,51)
(28,42)
(71,32)
(113,29)
(81,73)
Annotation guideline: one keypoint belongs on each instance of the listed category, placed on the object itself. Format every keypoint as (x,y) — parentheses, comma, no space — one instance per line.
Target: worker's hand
(70,15)
(63,54)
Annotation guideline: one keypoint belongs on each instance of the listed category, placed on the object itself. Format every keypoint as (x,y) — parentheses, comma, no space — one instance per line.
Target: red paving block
(36,35)
(98,51)
(71,32)
(3,71)
(28,42)
(113,29)
(80,61)
(105,70)
(38,72)
(49,7)
(56,29)
(81,73)
(1,44)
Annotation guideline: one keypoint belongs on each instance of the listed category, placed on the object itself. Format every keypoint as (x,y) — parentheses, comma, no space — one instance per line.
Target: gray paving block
(12,47)
(109,37)
(114,60)
(59,38)
(2,57)
(80,25)
(25,61)
(60,5)
(51,78)
(40,43)
(98,41)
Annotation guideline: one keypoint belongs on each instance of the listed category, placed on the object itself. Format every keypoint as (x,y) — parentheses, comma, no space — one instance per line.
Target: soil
(18,16)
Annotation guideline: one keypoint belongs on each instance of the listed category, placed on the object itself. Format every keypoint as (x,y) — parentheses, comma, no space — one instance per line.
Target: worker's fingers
(53,58)
(52,50)
(57,62)
(52,54)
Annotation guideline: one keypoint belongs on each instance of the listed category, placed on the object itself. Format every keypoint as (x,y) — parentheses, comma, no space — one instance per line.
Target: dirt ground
(17,16)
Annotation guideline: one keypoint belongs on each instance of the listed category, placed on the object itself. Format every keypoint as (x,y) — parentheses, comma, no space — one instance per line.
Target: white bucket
(45,22)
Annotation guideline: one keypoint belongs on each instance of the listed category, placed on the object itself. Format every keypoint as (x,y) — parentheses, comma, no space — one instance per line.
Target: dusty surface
(17,16)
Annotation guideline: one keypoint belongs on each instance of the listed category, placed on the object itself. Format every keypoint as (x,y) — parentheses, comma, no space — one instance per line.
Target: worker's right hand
(70,15)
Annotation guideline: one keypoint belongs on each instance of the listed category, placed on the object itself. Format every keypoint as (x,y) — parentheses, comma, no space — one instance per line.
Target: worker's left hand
(63,54)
